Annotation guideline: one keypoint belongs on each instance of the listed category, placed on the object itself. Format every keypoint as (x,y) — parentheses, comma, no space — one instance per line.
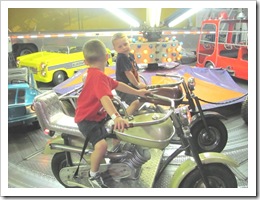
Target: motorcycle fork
(67,153)
(196,157)
(184,147)
(168,160)
(188,146)
(201,113)
(191,98)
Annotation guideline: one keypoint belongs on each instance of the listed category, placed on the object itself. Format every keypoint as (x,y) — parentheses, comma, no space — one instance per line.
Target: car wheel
(209,65)
(58,77)
(24,49)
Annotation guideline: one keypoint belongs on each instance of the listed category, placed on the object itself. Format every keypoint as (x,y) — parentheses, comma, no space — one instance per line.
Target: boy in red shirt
(94,103)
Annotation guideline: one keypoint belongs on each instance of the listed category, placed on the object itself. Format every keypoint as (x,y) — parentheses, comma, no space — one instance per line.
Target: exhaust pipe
(74,149)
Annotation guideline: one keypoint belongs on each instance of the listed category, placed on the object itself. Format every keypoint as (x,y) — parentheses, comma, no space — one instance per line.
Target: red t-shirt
(96,85)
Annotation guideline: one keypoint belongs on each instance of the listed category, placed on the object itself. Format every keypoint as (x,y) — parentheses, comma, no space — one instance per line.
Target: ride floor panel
(28,167)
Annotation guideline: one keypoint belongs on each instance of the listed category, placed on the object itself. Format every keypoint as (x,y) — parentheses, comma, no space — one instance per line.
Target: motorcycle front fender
(206,158)
(207,114)
(58,140)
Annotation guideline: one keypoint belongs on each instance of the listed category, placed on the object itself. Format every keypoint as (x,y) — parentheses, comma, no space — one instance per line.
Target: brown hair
(94,51)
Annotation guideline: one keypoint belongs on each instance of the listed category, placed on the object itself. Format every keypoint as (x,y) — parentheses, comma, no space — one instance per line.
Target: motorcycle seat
(51,116)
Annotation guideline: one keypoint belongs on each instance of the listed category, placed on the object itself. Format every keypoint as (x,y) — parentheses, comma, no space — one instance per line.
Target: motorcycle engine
(136,157)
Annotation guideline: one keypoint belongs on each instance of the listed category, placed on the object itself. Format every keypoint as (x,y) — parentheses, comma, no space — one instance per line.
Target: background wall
(37,20)
(53,19)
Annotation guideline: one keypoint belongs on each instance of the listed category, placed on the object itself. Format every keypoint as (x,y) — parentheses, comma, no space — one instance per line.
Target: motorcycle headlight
(191,83)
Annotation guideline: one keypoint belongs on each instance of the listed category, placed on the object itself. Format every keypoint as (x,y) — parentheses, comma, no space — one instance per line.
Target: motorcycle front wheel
(219,176)
(213,141)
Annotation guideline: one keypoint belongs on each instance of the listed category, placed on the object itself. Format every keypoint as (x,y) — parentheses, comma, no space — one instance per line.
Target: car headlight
(29,109)
(43,73)
(17,63)
(43,65)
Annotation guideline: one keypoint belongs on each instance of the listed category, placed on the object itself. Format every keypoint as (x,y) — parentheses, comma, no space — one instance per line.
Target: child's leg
(133,107)
(100,150)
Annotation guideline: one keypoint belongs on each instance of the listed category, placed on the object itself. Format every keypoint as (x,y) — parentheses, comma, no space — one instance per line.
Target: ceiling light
(123,16)
(153,16)
(184,16)
(241,15)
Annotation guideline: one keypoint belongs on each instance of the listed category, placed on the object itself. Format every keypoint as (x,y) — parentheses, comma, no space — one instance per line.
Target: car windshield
(16,96)
(18,75)
(61,49)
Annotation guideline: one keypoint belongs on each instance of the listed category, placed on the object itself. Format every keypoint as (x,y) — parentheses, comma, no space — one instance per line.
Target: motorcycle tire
(213,142)
(244,111)
(57,163)
(219,176)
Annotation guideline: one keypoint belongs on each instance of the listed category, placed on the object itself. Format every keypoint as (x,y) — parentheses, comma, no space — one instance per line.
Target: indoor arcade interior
(192,131)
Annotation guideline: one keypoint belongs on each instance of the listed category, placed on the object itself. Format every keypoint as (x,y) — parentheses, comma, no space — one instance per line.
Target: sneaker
(97,181)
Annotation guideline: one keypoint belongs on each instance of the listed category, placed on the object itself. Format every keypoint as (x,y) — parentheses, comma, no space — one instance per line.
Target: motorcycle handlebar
(180,80)
(69,95)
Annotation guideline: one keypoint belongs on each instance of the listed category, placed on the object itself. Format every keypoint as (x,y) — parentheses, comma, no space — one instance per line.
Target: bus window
(208,37)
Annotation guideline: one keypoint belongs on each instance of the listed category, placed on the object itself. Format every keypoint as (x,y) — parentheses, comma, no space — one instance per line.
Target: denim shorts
(128,98)
(95,131)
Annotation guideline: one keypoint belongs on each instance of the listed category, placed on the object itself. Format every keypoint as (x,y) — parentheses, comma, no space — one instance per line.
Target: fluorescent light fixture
(123,16)
(184,16)
(241,15)
(153,16)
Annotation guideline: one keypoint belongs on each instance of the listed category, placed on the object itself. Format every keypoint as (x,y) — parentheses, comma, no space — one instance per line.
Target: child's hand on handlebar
(143,92)
(142,85)
(120,124)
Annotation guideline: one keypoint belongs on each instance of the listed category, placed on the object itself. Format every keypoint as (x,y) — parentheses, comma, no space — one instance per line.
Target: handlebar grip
(160,74)
(131,125)
(150,87)
(149,94)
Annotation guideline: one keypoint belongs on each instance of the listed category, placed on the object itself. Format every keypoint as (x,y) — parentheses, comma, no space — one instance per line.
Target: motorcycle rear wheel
(244,111)
(58,162)
(215,141)
(219,176)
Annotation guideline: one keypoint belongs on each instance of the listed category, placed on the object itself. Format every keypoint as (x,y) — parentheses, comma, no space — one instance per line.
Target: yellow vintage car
(55,63)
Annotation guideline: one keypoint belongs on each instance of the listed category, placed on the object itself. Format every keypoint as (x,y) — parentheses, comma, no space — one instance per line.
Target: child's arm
(133,80)
(119,122)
